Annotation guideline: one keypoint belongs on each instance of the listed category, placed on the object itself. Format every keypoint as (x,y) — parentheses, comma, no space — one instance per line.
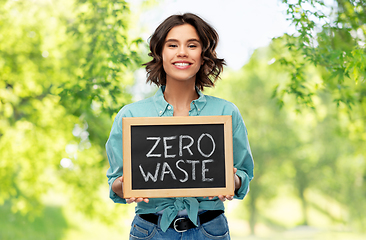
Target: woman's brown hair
(212,66)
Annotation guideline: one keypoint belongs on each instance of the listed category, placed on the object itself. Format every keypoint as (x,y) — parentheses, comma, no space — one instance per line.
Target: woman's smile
(182,64)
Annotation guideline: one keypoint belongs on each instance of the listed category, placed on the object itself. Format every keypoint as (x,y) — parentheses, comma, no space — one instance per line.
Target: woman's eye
(172,45)
(192,46)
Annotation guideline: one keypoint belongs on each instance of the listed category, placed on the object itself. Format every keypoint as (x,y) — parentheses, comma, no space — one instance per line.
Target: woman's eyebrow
(194,40)
(171,40)
(189,40)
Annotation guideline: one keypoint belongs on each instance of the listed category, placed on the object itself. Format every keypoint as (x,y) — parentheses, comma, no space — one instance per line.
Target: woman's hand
(117,187)
(237,183)
(137,200)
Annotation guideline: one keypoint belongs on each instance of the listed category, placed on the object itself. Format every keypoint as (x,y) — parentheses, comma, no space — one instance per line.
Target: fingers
(229,197)
(136,200)
(223,198)
(142,199)
(130,200)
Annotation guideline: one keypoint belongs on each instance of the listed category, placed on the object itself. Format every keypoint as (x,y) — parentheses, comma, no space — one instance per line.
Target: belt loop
(159,219)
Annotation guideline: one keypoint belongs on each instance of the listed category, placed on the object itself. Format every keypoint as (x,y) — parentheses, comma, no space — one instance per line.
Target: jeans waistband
(184,223)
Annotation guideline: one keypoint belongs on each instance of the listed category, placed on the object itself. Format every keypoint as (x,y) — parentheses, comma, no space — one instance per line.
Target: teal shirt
(156,106)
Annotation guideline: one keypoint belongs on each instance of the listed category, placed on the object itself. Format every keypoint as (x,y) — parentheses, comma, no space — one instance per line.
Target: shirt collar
(200,102)
(159,100)
(162,105)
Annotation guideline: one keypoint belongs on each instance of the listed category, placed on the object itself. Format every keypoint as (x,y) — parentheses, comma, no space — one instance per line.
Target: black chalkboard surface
(177,156)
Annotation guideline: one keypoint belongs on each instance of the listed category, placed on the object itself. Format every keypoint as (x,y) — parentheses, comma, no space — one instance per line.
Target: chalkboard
(177,156)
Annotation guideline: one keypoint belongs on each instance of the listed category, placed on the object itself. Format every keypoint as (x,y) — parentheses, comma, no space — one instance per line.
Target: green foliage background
(66,68)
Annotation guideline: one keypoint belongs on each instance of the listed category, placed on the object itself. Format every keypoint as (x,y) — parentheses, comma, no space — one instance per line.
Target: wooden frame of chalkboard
(161,156)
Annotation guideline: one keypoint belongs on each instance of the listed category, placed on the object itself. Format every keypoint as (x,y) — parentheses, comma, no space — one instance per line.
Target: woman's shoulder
(140,103)
(137,108)
(220,102)
(225,107)
(217,99)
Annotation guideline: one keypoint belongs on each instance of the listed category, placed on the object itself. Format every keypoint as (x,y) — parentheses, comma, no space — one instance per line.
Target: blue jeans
(217,228)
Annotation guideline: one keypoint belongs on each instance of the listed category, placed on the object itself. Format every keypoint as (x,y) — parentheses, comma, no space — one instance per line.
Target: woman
(184,62)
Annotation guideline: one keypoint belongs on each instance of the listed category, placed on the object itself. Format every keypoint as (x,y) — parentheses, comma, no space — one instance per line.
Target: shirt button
(169,107)
(161,112)
(199,109)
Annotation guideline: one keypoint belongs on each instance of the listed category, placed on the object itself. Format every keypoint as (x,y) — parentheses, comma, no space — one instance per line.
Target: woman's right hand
(117,187)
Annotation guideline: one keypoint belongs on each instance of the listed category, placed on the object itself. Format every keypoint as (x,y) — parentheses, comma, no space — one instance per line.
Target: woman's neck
(180,95)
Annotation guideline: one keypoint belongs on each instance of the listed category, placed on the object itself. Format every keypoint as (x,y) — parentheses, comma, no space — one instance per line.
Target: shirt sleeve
(243,159)
(114,154)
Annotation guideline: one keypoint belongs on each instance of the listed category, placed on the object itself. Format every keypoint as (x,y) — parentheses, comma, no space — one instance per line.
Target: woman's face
(182,54)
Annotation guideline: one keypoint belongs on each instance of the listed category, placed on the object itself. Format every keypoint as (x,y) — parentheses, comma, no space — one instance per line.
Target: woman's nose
(182,52)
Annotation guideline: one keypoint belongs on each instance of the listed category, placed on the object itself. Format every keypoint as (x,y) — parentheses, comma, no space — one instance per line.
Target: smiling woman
(184,62)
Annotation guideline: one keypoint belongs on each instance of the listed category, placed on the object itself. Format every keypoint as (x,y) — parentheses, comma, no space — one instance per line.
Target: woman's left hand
(237,183)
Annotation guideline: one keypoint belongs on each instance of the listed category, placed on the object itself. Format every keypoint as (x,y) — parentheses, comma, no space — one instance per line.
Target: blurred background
(295,69)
